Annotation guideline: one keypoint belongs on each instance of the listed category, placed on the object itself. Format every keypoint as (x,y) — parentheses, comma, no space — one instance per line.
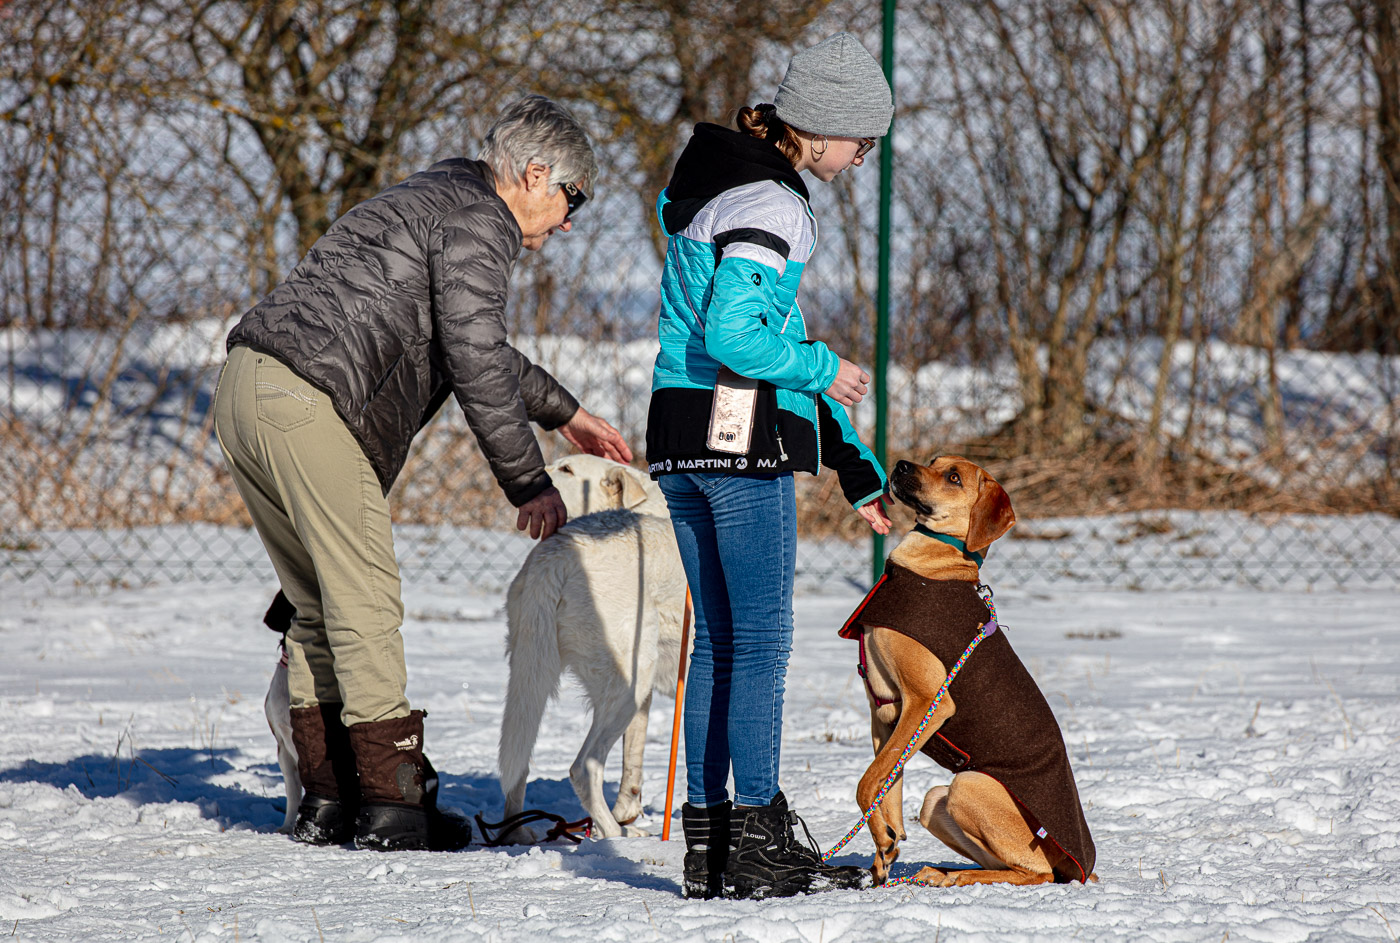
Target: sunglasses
(574,196)
(865,145)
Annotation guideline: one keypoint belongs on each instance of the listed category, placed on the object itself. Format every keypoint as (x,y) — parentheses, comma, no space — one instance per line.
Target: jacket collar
(718,159)
(485,178)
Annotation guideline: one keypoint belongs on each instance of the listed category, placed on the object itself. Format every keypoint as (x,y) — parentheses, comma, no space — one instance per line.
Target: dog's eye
(566,469)
(954,478)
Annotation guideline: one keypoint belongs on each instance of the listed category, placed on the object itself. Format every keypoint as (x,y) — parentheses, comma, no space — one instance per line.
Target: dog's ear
(633,493)
(613,485)
(991,514)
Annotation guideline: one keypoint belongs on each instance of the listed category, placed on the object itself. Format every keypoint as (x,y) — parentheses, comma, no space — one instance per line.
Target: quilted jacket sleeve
(740,334)
(471,262)
(547,402)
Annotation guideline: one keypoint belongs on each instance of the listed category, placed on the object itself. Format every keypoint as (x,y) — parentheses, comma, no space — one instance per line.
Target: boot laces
(811,846)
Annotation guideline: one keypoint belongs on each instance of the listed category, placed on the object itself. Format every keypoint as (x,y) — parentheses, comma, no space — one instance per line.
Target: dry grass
(1104,478)
(446,482)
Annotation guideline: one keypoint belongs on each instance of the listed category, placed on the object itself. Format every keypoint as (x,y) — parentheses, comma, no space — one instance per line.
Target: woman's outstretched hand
(587,433)
(849,387)
(875,514)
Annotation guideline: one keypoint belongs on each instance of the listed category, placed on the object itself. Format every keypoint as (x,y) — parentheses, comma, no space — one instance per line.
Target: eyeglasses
(865,145)
(575,196)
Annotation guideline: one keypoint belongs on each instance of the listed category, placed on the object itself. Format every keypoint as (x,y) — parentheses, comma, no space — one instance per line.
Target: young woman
(742,399)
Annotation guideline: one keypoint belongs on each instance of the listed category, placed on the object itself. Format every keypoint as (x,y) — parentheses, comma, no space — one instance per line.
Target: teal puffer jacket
(740,233)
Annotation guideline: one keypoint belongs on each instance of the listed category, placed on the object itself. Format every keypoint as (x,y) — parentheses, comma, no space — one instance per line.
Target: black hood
(718,159)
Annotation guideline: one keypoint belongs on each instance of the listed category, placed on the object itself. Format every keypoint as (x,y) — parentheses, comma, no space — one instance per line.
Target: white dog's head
(588,483)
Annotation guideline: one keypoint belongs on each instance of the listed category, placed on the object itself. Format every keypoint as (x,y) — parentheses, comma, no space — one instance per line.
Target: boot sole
(321,837)
(701,890)
(765,891)
(383,827)
(791,887)
(374,843)
(322,821)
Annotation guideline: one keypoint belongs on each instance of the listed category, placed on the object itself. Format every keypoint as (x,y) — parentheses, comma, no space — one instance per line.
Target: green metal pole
(882,291)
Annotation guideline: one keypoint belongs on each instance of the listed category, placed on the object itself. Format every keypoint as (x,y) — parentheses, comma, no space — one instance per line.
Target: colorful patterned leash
(987,629)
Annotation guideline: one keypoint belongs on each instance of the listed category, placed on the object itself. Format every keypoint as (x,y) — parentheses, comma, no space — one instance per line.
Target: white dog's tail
(532,648)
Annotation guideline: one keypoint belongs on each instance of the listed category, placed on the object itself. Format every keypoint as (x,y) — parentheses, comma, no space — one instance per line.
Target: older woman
(329,378)
(742,399)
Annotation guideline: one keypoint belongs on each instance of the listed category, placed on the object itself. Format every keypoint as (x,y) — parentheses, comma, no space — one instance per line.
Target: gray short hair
(537,130)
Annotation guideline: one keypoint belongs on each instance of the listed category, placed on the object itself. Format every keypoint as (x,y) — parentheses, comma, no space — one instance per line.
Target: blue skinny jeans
(738,541)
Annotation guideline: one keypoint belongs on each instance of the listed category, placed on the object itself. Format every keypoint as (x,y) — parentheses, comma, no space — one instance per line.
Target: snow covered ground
(1238,752)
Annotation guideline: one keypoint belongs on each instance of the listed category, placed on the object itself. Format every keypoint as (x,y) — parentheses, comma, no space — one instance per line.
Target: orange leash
(676,718)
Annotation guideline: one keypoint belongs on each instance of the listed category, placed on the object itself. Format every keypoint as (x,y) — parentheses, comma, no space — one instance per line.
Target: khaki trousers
(316,503)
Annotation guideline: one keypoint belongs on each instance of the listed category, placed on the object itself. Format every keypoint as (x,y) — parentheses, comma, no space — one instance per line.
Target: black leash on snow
(493,834)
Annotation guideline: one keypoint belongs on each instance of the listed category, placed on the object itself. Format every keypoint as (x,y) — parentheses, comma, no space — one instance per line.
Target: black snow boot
(326,764)
(769,861)
(398,790)
(706,849)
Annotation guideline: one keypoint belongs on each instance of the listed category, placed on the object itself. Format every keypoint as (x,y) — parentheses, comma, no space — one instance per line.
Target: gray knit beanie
(836,88)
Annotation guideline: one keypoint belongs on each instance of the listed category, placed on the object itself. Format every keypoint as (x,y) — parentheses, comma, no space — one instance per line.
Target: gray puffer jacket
(403,301)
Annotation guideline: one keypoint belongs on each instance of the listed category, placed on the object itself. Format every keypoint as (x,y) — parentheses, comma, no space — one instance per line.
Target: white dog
(587,484)
(604,598)
(278,708)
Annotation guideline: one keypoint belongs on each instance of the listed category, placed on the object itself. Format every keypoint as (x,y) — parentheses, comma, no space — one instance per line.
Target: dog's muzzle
(903,488)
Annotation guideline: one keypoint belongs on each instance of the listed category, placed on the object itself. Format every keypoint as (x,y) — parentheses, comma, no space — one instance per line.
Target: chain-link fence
(1151,294)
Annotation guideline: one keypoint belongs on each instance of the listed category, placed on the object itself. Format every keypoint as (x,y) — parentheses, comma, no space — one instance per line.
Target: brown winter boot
(398,790)
(327,812)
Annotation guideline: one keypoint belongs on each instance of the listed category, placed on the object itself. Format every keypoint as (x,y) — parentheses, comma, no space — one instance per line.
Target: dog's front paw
(632,831)
(627,809)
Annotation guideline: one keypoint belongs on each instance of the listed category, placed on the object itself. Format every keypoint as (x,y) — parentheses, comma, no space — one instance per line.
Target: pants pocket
(711,481)
(285,402)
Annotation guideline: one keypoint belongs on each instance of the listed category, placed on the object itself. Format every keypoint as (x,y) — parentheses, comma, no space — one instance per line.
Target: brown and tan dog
(1012,806)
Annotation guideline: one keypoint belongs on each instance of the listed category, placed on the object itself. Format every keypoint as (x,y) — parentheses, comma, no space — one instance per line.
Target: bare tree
(1064,112)
(652,69)
(331,89)
(1378,23)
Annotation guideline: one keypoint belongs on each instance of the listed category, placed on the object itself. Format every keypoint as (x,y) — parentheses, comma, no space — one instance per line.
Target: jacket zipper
(382,380)
(816,402)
